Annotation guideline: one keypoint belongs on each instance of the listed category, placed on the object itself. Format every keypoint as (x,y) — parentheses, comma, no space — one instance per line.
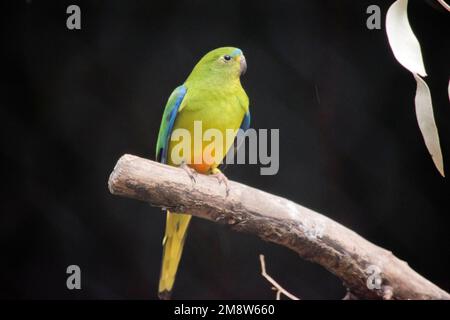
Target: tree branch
(444,4)
(368,271)
(279,289)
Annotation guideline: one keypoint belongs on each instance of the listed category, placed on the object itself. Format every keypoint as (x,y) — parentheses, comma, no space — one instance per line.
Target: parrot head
(225,63)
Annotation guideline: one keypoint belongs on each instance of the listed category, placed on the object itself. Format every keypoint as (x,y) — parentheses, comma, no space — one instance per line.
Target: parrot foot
(190,172)
(221,178)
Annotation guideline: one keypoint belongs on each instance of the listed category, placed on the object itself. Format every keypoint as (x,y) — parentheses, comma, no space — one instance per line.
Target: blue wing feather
(245,124)
(246,121)
(168,121)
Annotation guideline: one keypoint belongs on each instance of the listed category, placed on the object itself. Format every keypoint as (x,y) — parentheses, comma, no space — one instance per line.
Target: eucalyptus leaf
(403,42)
(427,125)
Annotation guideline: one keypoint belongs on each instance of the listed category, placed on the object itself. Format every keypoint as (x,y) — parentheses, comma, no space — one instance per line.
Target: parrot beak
(243,65)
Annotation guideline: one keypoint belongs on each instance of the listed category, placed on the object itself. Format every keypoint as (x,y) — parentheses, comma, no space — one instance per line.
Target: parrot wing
(246,121)
(177,224)
(245,124)
(173,106)
(239,139)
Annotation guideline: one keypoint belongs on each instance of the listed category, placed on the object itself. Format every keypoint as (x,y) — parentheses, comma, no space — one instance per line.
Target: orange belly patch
(201,167)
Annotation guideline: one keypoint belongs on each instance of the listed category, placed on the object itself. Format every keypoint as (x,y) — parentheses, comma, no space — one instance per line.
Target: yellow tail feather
(176,227)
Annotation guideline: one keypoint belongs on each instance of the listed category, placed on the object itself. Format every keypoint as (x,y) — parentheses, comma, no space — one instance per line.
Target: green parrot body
(213,95)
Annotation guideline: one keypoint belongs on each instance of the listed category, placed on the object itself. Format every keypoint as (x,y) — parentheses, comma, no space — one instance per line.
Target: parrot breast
(219,113)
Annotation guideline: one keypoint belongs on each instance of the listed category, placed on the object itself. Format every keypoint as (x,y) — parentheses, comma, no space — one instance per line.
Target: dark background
(74,101)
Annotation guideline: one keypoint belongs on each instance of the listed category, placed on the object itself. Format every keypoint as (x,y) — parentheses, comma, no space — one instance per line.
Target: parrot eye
(227,58)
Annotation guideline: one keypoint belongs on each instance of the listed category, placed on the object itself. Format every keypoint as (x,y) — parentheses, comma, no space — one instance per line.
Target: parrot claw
(221,178)
(190,172)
